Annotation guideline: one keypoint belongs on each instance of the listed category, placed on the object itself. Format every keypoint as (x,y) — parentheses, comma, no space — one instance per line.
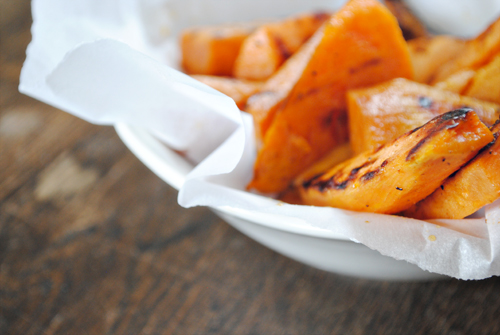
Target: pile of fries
(362,109)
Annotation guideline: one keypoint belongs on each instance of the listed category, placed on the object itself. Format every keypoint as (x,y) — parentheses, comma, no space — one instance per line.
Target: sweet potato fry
(486,83)
(428,54)
(403,172)
(472,187)
(237,89)
(477,52)
(260,56)
(338,155)
(359,46)
(265,50)
(457,82)
(213,50)
(264,105)
(381,113)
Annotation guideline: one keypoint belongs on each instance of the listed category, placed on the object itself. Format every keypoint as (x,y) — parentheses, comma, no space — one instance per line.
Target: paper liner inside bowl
(113,61)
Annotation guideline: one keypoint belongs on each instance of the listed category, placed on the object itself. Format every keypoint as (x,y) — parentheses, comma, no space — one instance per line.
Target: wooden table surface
(92,242)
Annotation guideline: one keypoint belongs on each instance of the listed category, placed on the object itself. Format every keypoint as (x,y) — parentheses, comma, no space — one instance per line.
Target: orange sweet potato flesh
(381,113)
(237,89)
(338,155)
(260,56)
(485,84)
(359,46)
(265,50)
(457,82)
(403,172)
(428,54)
(477,52)
(264,105)
(472,187)
(213,50)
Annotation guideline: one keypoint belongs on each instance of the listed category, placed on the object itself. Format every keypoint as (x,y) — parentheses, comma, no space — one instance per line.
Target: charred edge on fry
(497,122)
(433,127)
(308,183)
(380,147)
(283,50)
(323,185)
(336,182)
(436,125)
(369,175)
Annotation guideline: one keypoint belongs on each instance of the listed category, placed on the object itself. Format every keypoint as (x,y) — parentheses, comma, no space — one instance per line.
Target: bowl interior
(173,169)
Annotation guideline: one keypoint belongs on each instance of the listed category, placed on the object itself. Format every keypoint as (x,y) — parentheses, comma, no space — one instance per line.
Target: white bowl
(316,247)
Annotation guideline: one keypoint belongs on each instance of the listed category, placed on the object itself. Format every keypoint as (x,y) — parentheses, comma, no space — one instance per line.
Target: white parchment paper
(112,61)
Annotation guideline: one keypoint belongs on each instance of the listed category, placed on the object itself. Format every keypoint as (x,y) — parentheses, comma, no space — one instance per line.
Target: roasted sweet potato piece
(265,50)
(381,113)
(264,105)
(428,54)
(457,82)
(403,172)
(237,89)
(410,25)
(359,46)
(486,82)
(472,187)
(477,52)
(338,155)
(212,50)
(259,57)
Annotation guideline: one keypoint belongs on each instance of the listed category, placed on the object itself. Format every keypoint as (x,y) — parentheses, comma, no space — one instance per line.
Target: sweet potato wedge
(265,50)
(457,82)
(472,187)
(359,46)
(477,52)
(212,50)
(264,105)
(381,113)
(259,57)
(239,90)
(485,84)
(338,155)
(428,54)
(403,172)
(410,25)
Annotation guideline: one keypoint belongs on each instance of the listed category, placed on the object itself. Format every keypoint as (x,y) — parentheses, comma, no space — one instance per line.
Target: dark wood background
(92,242)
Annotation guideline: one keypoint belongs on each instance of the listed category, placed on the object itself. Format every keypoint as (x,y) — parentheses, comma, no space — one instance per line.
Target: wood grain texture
(117,255)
